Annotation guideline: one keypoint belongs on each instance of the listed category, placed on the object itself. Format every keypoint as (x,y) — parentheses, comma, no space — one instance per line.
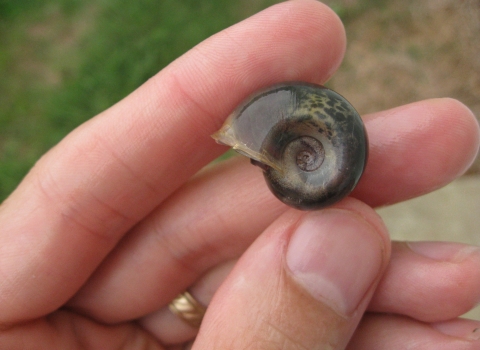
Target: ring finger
(169,327)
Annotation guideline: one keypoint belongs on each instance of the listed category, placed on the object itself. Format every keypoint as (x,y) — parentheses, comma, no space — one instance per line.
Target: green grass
(63,61)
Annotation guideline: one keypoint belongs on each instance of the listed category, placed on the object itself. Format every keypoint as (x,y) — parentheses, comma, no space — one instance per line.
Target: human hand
(110,225)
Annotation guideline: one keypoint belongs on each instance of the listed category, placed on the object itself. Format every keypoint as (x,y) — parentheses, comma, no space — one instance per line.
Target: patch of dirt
(403,51)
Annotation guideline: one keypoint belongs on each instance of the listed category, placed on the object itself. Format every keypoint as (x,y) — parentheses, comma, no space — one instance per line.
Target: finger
(303,284)
(64,330)
(180,242)
(430,281)
(169,328)
(392,332)
(184,237)
(460,327)
(99,181)
(417,148)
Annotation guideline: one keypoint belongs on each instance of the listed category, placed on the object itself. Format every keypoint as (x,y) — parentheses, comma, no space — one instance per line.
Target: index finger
(83,195)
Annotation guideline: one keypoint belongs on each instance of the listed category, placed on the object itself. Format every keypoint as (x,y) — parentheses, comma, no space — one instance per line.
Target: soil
(401,51)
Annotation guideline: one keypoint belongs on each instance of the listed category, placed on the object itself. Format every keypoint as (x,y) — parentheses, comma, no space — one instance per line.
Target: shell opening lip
(259,160)
(226,137)
(261,165)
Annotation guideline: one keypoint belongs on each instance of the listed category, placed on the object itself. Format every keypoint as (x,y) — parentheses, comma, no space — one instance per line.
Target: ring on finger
(187,308)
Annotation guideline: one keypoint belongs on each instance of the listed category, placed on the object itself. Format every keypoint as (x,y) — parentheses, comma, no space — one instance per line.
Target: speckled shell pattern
(269,122)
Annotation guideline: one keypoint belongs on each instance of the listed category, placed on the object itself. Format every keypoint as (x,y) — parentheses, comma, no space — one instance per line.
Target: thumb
(304,284)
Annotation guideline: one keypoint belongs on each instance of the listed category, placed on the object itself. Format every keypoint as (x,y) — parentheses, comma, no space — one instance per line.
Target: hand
(111,224)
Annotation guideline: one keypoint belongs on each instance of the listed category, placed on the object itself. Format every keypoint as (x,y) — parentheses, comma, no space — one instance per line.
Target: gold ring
(188,309)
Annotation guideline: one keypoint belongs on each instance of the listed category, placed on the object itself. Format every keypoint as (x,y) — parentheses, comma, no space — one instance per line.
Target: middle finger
(216,215)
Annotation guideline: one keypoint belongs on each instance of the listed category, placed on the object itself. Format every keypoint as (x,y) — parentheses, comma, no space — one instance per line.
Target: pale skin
(113,223)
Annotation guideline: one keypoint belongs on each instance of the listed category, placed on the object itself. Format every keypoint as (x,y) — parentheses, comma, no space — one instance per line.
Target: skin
(113,223)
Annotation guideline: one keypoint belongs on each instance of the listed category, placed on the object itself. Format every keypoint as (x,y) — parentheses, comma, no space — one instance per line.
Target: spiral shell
(310,142)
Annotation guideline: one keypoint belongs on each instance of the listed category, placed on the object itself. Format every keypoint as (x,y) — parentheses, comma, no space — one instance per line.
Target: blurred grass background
(63,61)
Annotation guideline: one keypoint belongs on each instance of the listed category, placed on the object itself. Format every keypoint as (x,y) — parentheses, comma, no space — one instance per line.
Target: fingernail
(443,251)
(460,328)
(336,255)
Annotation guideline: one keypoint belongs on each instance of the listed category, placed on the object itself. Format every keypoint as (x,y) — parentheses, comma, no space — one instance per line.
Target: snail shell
(310,142)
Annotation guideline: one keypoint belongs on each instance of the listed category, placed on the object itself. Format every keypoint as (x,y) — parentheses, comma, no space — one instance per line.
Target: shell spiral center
(308,153)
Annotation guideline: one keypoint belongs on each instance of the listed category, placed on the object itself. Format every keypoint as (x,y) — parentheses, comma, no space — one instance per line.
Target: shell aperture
(310,142)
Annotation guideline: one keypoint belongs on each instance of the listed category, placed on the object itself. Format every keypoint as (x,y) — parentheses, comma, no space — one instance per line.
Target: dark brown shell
(310,142)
